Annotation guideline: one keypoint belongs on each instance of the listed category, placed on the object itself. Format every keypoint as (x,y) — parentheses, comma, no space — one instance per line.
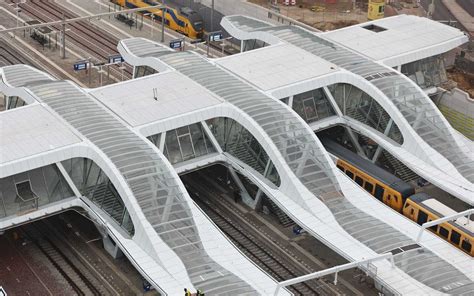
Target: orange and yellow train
(400,196)
(185,20)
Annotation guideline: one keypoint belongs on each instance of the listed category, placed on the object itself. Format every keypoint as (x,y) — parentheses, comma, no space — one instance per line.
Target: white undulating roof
(31,130)
(276,66)
(404,35)
(134,100)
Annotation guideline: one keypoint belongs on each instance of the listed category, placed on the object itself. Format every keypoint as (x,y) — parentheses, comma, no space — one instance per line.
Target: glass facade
(184,143)
(141,71)
(253,44)
(14,102)
(236,140)
(313,105)
(427,72)
(358,105)
(25,192)
(93,183)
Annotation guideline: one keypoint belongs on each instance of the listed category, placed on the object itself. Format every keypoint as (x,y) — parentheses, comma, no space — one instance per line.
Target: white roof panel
(31,130)
(275,66)
(404,35)
(134,100)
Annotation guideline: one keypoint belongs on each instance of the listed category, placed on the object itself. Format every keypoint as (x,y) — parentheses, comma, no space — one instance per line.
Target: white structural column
(243,191)
(68,179)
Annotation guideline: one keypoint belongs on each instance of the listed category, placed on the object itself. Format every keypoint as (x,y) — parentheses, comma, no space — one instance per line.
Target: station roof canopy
(134,100)
(397,36)
(278,65)
(32,130)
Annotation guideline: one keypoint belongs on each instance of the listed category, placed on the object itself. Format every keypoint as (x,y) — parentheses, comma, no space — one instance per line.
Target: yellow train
(401,196)
(185,20)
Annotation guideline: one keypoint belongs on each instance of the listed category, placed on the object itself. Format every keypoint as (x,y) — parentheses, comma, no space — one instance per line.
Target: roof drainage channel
(306,161)
(412,102)
(154,187)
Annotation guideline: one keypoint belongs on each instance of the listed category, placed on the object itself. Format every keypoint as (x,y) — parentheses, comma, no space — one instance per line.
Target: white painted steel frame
(66,100)
(264,125)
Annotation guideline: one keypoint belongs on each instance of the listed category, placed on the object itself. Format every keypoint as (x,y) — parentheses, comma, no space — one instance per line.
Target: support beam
(332,270)
(379,148)
(258,196)
(211,137)
(333,101)
(351,134)
(162,142)
(467,213)
(68,179)
(244,193)
(290,102)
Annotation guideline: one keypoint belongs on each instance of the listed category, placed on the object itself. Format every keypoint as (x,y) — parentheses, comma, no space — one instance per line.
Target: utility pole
(431,10)
(63,38)
(163,15)
(212,16)
(17,16)
(152,18)
(17,10)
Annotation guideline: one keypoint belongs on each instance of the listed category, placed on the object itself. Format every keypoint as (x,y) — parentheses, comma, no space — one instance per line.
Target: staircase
(282,217)
(105,197)
(400,170)
(246,155)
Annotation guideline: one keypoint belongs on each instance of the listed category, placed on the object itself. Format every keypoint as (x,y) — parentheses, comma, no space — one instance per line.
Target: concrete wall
(458,108)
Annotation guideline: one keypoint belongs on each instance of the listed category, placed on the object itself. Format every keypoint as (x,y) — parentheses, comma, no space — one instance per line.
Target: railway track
(79,280)
(253,246)
(86,36)
(8,57)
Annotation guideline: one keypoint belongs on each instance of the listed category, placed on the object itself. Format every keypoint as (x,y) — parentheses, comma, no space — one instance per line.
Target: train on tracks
(401,196)
(184,20)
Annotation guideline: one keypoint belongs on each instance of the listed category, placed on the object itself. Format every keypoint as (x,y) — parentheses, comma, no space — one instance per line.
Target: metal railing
(425,225)
(332,270)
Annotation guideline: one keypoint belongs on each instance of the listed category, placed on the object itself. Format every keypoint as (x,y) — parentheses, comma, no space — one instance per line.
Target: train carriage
(386,187)
(185,20)
(401,196)
(423,208)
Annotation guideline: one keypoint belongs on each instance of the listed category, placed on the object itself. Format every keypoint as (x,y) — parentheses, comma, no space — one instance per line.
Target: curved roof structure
(411,101)
(304,165)
(430,137)
(154,185)
(174,243)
